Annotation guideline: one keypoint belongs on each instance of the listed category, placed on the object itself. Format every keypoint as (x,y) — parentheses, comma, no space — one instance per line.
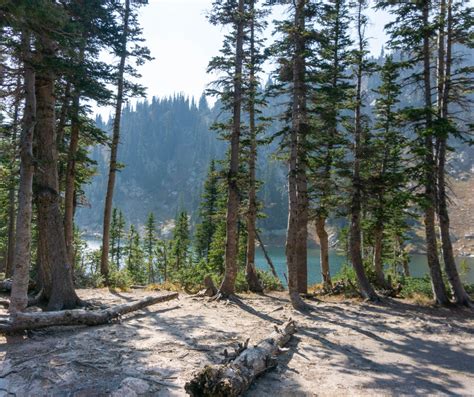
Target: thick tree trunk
(250,269)
(104,260)
(378,250)
(50,220)
(22,256)
(234,378)
(439,289)
(444,78)
(320,224)
(355,239)
(44,279)
(28,321)
(297,127)
(227,286)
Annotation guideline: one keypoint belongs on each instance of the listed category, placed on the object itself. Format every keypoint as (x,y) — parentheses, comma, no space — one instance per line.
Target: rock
(124,391)
(139,386)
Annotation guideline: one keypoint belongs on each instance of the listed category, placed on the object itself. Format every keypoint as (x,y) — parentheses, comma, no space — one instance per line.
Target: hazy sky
(182,42)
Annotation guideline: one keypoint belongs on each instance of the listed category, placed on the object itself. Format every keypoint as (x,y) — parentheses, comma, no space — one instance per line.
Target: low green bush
(120,279)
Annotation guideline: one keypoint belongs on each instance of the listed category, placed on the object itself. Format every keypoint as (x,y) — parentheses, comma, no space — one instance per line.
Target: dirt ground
(341,348)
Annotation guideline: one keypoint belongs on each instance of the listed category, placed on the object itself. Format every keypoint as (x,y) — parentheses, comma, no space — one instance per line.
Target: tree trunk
(10,254)
(444,77)
(104,260)
(71,180)
(355,228)
(298,114)
(439,289)
(50,220)
(250,269)
(227,286)
(267,257)
(234,379)
(44,282)
(378,250)
(22,255)
(303,205)
(320,224)
(28,321)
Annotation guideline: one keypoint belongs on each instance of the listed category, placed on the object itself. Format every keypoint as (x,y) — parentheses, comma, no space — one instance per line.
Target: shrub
(416,286)
(269,281)
(120,279)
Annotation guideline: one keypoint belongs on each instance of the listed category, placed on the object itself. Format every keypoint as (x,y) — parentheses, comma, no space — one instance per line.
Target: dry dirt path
(342,348)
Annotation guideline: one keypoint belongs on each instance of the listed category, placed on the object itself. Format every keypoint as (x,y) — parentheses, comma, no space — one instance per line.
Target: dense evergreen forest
(335,141)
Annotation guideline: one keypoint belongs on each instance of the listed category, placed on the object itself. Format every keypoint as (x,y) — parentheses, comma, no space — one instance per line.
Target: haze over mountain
(166,147)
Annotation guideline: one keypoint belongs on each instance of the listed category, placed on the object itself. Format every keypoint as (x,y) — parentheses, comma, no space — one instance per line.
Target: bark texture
(250,269)
(439,289)
(27,321)
(50,220)
(293,257)
(22,255)
(10,254)
(444,80)
(227,286)
(104,260)
(234,378)
(324,245)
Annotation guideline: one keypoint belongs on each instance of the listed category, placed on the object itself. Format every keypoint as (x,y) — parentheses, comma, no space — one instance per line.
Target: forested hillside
(166,147)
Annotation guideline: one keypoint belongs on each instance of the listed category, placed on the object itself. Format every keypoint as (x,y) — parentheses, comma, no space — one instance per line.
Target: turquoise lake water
(418,263)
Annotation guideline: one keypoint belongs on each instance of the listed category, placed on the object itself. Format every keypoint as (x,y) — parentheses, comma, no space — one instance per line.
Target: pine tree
(386,169)
(135,257)
(231,13)
(180,244)
(253,103)
(22,255)
(455,22)
(149,246)
(327,158)
(292,51)
(412,32)
(207,214)
(129,34)
(355,242)
(117,233)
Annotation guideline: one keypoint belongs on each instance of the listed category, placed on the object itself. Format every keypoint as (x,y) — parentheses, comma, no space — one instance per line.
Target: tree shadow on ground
(425,363)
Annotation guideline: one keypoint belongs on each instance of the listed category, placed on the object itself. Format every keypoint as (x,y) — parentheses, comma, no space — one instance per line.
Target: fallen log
(6,285)
(234,378)
(28,321)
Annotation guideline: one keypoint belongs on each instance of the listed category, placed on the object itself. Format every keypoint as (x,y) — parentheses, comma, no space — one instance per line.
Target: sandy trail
(341,348)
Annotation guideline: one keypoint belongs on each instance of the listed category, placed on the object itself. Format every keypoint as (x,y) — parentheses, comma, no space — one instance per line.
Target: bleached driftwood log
(234,378)
(28,321)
